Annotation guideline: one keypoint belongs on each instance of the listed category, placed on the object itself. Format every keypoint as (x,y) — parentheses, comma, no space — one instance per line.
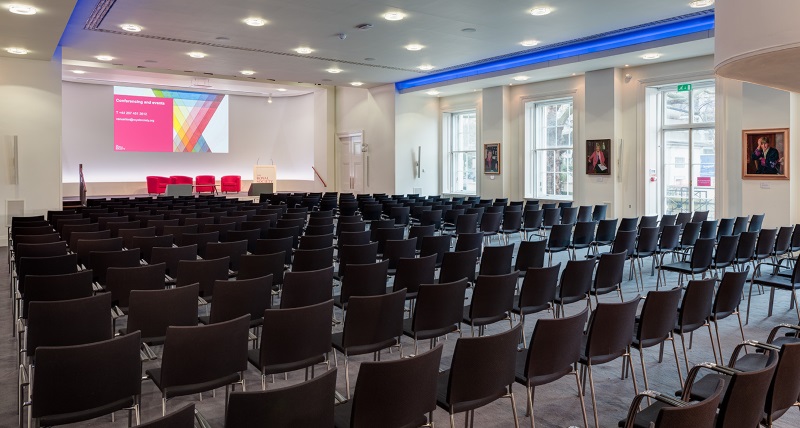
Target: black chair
(272,246)
(532,223)
(172,255)
(203,272)
(233,251)
(647,221)
(240,297)
(776,281)
(438,245)
(740,225)
(307,404)
(512,224)
(202,358)
(394,250)
(152,311)
(690,234)
(373,323)
(496,260)
(725,253)
(764,246)
(756,220)
(695,312)
(145,244)
(745,250)
(293,339)
(682,219)
(726,302)
(575,284)
(608,275)
(551,217)
(677,413)
(628,224)
(81,382)
(307,288)
(469,241)
(608,338)
(83,247)
(128,234)
(412,272)
(48,288)
(559,240)
(537,293)
(470,383)
(367,279)
(492,301)
(438,311)
(530,254)
(101,261)
(582,237)
(699,261)
(584,213)
(316,259)
(606,232)
(554,352)
(120,281)
(725,227)
(385,396)
(356,254)
(457,265)
(599,212)
(654,326)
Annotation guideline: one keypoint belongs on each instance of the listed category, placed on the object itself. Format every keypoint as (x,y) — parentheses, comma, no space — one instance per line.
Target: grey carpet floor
(556,405)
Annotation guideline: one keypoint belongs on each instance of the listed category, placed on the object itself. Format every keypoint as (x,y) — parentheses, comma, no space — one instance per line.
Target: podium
(264,180)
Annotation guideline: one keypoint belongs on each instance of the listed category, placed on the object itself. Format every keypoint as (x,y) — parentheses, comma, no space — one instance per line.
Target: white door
(351,162)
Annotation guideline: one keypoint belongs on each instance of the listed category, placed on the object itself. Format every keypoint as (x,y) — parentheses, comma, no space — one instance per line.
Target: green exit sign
(686,87)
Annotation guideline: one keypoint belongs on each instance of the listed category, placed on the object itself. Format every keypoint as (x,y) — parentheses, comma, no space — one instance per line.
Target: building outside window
(549,140)
(461,143)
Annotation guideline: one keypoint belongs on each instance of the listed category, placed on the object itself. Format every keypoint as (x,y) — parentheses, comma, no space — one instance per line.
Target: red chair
(205,183)
(231,183)
(180,179)
(157,185)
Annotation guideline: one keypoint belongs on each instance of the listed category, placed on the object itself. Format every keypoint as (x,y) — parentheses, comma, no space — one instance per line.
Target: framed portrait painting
(598,157)
(765,154)
(491,158)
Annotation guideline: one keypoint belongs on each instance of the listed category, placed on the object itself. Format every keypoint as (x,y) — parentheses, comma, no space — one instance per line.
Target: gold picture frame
(491,158)
(771,163)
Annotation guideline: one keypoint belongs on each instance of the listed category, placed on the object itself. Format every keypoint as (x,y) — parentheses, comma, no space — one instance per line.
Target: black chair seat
(682,267)
(342,412)
(253,358)
(177,391)
(703,388)
(336,341)
(426,334)
(84,415)
(647,415)
(776,281)
(535,380)
(441,396)
(481,320)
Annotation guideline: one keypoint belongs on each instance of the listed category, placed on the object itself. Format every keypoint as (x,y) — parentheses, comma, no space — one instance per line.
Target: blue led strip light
(656,32)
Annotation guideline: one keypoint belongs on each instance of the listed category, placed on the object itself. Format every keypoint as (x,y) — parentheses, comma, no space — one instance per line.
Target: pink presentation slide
(142,124)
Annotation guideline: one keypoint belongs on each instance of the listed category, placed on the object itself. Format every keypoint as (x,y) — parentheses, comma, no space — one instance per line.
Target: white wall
(30,108)
(373,112)
(286,132)
(416,129)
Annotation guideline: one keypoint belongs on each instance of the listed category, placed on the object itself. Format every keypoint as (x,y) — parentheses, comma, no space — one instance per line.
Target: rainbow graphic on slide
(159,120)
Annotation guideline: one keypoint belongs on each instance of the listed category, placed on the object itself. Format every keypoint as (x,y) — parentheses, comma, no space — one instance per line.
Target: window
(686,152)
(461,142)
(548,130)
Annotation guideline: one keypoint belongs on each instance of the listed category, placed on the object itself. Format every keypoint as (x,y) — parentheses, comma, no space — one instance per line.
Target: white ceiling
(173,28)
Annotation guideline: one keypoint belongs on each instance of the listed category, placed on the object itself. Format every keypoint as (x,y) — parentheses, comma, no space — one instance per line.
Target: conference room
(359,213)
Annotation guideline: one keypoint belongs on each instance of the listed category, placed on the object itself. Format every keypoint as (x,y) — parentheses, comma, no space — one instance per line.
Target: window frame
(534,149)
(448,138)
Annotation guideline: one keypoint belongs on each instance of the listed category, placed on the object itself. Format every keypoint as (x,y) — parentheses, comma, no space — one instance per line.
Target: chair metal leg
(644,371)
(594,400)
(711,337)
(685,357)
(530,403)
(719,343)
(513,407)
(580,396)
(347,375)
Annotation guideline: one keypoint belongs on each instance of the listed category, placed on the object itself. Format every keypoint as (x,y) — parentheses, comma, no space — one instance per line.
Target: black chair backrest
(152,311)
(560,236)
(386,396)
(695,414)
(120,281)
(374,322)
(469,241)
(766,242)
(606,230)
(569,215)
(303,405)
(628,223)
(457,265)
(740,225)
(394,250)
(695,309)
(49,288)
(68,322)
(272,246)
(625,240)
(201,239)
(610,269)
(145,244)
(496,260)
(438,245)
(555,346)
(683,218)
(74,237)
(538,288)
(172,255)
(552,216)
(233,299)
(703,253)
(100,261)
(204,354)
(785,387)
(533,219)
(658,316)
(356,254)
(708,229)
(747,246)
(367,279)
(576,279)
(755,222)
(648,240)
(584,213)
(725,227)
(411,272)
(293,338)
(530,254)
(742,405)
(202,272)
(316,259)
(492,297)
(726,250)
(599,212)
(55,265)
(611,329)
(307,288)
(439,308)
(471,379)
(88,380)
(729,293)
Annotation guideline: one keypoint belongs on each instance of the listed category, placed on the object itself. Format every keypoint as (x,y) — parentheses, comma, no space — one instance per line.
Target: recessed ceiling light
(369,59)
(697,4)
(433,92)
(255,22)
(248,72)
(651,55)
(468,30)
(334,70)
(394,16)
(356,83)
(133,28)
(574,74)
(78,71)
(529,43)
(521,78)
(414,47)
(282,89)
(17,51)
(304,50)
(627,65)
(22,9)
(104,57)
(196,54)
(425,67)
(541,10)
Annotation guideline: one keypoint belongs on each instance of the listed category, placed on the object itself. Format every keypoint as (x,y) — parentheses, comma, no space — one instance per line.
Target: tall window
(461,141)
(549,130)
(686,132)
